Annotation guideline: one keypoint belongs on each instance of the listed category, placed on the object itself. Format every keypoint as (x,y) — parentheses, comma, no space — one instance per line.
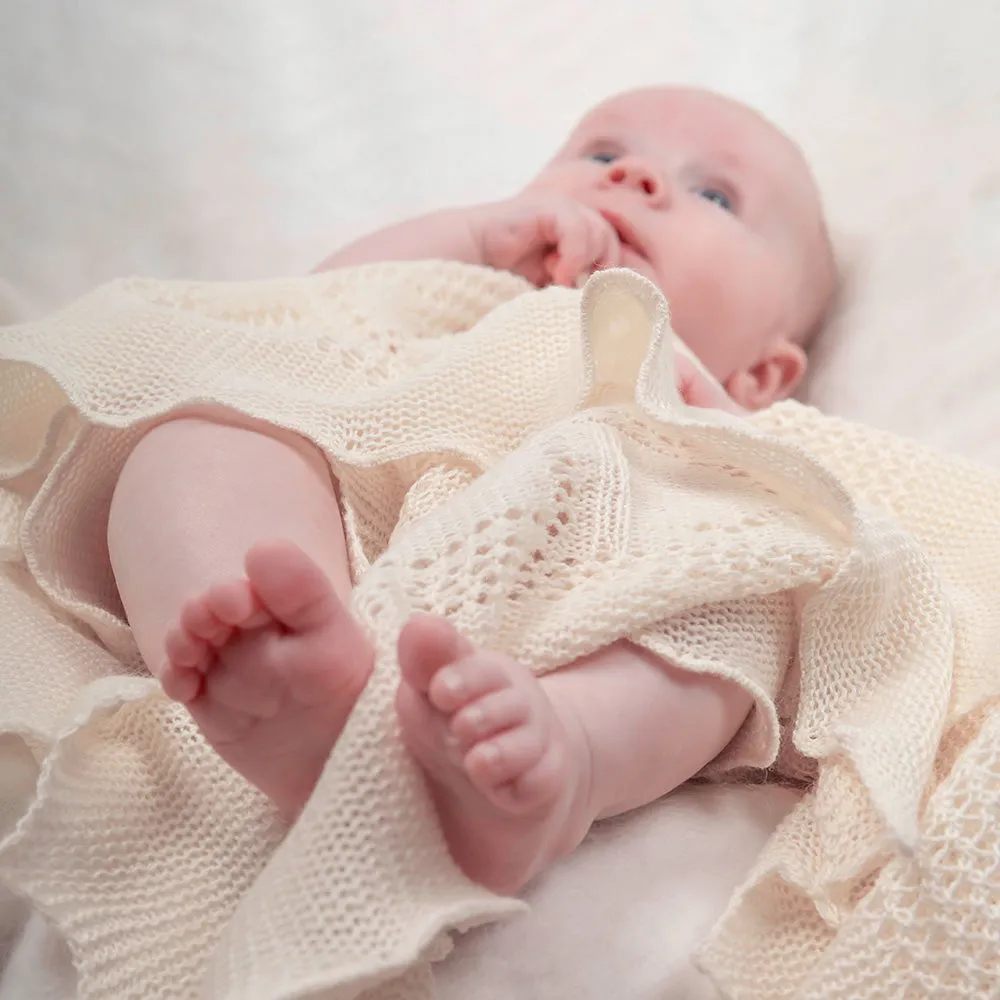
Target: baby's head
(719,209)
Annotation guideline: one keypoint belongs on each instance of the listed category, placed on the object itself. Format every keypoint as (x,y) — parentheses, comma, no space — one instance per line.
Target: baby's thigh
(623,915)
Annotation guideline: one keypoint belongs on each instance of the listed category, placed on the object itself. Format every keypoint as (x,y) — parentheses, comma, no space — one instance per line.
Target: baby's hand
(546,239)
(696,389)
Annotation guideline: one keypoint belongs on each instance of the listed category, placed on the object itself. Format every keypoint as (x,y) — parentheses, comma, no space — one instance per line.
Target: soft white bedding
(245,138)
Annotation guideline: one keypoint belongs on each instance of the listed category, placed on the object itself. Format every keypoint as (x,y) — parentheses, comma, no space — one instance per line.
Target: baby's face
(719,209)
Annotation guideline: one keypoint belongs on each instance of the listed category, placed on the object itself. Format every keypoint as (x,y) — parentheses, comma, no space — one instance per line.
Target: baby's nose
(640,176)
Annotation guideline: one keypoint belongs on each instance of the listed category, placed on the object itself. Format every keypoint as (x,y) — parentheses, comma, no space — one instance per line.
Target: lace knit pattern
(519,462)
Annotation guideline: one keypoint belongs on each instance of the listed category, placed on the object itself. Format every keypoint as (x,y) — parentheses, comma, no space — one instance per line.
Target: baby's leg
(251,635)
(520,767)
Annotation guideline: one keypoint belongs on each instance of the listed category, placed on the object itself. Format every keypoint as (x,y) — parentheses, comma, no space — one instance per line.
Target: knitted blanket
(520,462)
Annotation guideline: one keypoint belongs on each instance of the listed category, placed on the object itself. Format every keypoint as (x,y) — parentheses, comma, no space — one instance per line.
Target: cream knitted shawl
(565,497)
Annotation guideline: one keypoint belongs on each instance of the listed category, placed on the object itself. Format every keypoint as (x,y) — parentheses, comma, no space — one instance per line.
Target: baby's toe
(507,756)
(235,604)
(469,679)
(201,621)
(536,787)
(426,645)
(494,713)
(181,684)
(186,650)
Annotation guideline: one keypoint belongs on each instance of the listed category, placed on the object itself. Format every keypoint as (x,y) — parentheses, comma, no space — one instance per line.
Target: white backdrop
(244,138)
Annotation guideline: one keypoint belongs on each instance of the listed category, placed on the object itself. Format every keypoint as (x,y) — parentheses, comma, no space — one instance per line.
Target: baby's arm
(450,234)
(543,238)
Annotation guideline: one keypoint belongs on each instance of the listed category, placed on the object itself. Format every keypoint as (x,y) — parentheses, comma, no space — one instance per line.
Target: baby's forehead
(695,118)
(725,132)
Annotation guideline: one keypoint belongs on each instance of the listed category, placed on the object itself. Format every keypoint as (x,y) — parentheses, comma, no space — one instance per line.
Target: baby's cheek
(700,308)
(725,294)
(751,283)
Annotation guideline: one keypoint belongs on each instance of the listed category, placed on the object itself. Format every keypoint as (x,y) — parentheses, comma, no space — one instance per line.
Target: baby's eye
(602,157)
(719,197)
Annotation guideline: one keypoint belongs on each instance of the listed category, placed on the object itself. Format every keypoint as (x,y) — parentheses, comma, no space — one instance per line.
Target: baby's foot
(270,667)
(509,775)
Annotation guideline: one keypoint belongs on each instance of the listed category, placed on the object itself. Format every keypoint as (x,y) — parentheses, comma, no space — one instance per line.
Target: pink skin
(270,667)
(519,767)
(718,208)
(507,765)
(270,664)
(698,193)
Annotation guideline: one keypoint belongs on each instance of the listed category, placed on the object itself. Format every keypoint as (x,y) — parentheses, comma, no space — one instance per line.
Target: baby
(695,192)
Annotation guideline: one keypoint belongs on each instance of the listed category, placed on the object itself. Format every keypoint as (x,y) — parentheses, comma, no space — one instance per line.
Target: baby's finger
(610,253)
(573,252)
(596,247)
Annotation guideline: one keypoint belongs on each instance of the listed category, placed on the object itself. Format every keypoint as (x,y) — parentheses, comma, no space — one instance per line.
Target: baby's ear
(772,378)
